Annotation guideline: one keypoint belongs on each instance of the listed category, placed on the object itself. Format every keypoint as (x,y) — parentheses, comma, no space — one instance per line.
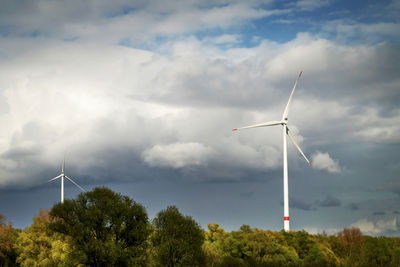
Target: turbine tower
(62,176)
(284,123)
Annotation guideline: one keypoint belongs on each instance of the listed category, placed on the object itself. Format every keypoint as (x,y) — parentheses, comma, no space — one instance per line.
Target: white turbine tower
(62,176)
(283,122)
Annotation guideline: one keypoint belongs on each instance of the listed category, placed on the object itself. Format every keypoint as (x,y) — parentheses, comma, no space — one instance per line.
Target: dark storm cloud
(21,152)
(393,186)
(329,201)
(249,194)
(300,204)
(378,213)
(354,206)
(264,87)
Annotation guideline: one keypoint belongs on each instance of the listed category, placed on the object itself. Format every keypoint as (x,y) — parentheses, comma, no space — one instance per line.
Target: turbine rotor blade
(286,112)
(52,179)
(83,190)
(270,123)
(298,148)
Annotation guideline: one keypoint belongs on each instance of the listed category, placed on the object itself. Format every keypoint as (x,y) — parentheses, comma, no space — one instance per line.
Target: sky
(142,97)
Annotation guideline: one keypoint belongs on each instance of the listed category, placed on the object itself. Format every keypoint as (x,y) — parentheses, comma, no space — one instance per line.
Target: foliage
(103,228)
(38,246)
(108,228)
(7,240)
(378,251)
(177,239)
(352,241)
(250,247)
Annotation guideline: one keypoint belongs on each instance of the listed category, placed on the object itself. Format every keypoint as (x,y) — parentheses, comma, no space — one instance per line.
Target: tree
(255,247)
(211,247)
(7,240)
(353,241)
(177,239)
(320,256)
(214,232)
(108,228)
(376,252)
(38,246)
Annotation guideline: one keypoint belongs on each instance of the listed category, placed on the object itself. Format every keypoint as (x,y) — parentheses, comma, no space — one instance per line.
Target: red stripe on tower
(286,218)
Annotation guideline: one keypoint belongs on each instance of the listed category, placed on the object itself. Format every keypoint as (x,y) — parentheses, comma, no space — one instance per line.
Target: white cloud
(138,21)
(369,32)
(94,97)
(322,161)
(309,5)
(377,227)
(376,128)
(317,230)
(178,155)
(225,39)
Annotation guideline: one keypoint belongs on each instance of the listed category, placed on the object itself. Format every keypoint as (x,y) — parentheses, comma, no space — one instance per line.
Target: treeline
(103,228)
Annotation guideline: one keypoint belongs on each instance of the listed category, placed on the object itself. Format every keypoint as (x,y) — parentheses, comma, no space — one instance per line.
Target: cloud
(225,39)
(322,161)
(393,186)
(178,155)
(377,128)
(329,201)
(309,5)
(378,227)
(93,98)
(317,230)
(99,97)
(354,206)
(371,32)
(299,204)
(138,21)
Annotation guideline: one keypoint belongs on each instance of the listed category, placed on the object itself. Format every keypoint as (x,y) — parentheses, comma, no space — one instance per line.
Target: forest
(104,228)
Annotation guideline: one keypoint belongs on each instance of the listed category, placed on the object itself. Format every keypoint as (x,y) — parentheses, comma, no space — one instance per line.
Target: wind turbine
(62,176)
(283,122)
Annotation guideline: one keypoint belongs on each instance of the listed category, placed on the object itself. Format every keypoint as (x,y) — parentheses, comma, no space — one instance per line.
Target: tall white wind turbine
(62,176)
(283,122)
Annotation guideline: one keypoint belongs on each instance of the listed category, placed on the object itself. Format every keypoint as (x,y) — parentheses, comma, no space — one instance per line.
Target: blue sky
(141,96)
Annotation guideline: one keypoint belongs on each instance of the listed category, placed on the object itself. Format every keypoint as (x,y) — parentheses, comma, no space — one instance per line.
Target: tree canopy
(177,239)
(104,228)
(110,229)
(38,246)
(7,239)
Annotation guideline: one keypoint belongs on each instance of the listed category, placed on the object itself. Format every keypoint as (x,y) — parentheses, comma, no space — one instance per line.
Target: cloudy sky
(141,97)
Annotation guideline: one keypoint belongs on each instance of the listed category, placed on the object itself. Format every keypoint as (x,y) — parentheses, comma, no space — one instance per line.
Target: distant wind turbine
(62,176)
(283,122)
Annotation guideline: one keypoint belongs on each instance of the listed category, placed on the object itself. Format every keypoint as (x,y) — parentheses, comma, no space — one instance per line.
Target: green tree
(320,256)
(396,255)
(214,232)
(211,254)
(38,246)
(376,252)
(211,246)
(108,228)
(177,239)
(7,240)
(255,247)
